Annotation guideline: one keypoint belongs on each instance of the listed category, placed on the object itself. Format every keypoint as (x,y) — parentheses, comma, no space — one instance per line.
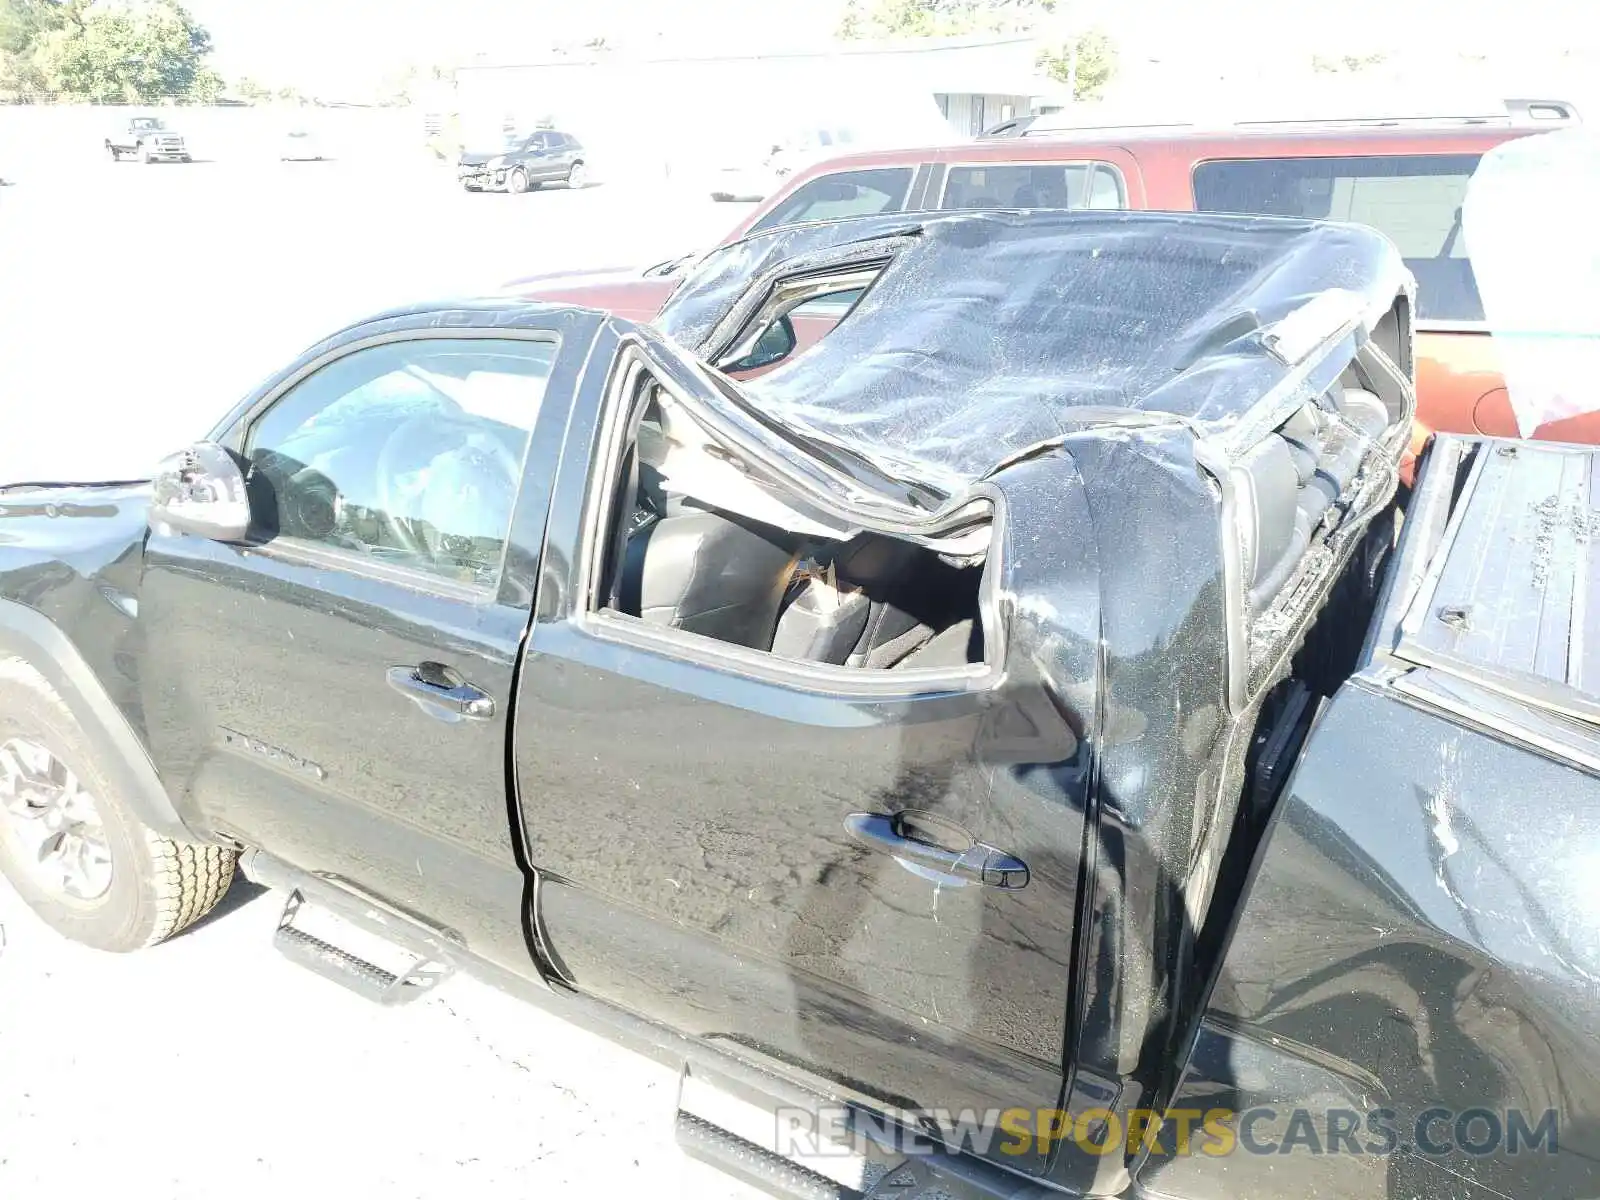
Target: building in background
(661,109)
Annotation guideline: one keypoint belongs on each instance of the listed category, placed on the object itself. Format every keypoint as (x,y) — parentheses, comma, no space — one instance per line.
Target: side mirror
(201,491)
(776,343)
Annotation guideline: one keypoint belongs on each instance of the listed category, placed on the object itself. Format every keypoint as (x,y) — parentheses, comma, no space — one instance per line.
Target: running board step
(406,975)
(936,1176)
(751,1165)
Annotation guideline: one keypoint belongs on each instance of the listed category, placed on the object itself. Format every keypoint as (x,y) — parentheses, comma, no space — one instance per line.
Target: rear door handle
(905,836)
(441,692)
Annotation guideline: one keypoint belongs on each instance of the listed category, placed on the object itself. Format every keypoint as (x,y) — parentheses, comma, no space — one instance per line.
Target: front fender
(29,635)
(70,563)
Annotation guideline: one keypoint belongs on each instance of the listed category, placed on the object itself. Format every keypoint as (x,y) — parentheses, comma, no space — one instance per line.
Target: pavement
(136,305)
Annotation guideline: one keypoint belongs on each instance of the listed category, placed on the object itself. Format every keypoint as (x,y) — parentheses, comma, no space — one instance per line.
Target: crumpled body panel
(987,335)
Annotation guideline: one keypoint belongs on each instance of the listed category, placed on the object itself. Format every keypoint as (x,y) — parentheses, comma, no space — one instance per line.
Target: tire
(517,182)
(577,174)
(157,886)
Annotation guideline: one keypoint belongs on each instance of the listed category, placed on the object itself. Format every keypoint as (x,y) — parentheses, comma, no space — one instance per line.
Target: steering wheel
(390,454)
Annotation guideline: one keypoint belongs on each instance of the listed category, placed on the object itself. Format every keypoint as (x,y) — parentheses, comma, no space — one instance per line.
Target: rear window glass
(1415,199)
(1034,185)
(846,194)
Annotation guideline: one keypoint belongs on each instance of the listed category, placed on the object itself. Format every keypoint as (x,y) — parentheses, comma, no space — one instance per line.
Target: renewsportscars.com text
(1214,1132)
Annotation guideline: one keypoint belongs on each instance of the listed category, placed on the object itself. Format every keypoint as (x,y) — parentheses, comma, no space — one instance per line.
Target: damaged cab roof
(980,337)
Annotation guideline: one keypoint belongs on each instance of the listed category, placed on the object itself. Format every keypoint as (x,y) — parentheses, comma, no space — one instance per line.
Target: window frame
(298,552)
(766,221)
(1094,164)
(1420,324)
(633,372)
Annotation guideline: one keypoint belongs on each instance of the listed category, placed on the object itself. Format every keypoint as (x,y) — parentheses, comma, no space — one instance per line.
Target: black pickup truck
(1015,743)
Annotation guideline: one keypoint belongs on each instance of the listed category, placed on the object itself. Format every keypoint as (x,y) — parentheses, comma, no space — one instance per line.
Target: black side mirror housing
(201,490)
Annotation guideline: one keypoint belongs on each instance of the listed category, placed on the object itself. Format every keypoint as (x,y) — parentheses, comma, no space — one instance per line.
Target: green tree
(940,18)
(131,53)
(1086,61)
(23,24)
(1096,63)
(1344,63)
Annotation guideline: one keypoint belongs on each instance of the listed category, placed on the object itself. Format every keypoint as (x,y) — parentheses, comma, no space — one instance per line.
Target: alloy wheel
(52,822)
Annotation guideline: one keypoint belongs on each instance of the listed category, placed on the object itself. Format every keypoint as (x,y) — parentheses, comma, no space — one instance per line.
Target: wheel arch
(29,635)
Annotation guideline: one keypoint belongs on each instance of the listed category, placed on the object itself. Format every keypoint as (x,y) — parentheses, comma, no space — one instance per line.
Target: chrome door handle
(972,863)
(439,690)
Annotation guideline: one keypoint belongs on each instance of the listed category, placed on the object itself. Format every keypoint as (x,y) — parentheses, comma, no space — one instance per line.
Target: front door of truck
(340,695)
(715,854)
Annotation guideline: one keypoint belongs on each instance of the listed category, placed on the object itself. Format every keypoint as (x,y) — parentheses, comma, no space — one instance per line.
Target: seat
(1267,486)
(705,573)
(882,567)
(1363,409)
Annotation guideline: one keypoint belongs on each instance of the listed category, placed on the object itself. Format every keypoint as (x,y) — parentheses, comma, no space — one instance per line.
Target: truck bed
(1502,616)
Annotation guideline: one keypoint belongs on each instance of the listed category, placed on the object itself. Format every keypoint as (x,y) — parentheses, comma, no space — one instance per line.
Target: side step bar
(750,1164)
(359,941)
(381,985)
(729,1117)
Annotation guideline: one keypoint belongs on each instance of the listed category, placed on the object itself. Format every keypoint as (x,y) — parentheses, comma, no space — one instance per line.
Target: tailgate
(1506,604)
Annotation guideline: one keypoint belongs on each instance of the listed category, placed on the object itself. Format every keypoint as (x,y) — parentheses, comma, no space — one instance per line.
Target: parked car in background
(149,140)
(758,179)
(1404,177)
(301,145)
(525,163)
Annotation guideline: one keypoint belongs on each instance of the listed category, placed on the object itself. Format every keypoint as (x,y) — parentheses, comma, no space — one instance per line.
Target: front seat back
(706,573)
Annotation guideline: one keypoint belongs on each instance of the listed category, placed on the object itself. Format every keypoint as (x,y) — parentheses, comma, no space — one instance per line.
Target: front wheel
(70,844)
(577,175)
(518,183)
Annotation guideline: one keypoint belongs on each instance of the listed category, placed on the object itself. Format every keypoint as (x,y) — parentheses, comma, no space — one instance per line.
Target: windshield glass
(146,123)
(1528,216)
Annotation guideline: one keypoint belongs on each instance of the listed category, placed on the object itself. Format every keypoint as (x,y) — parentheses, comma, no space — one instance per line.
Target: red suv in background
(1406,178)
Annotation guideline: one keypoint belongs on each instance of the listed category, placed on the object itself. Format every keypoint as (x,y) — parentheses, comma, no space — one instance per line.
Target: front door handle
(906,836)
(441,692)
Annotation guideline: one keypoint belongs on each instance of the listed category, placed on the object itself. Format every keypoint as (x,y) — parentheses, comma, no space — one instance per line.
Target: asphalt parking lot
(136,304)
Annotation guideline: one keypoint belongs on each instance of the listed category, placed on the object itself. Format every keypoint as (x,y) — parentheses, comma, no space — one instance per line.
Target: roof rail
(1514,112)
(1040,129)
(1540,112)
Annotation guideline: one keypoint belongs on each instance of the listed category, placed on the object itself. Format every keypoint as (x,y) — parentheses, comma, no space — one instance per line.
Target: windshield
(1528,216)
(146,123)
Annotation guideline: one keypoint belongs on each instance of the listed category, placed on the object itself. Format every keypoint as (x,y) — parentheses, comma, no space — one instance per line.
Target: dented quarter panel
(1425,923)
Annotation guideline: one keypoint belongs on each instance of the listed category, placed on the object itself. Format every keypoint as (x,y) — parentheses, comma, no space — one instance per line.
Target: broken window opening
(701,545)
(798,315)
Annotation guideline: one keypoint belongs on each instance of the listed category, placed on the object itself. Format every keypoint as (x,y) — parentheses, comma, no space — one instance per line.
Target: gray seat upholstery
(1272,534)
(881,567)
(1285,486)
(705,573)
